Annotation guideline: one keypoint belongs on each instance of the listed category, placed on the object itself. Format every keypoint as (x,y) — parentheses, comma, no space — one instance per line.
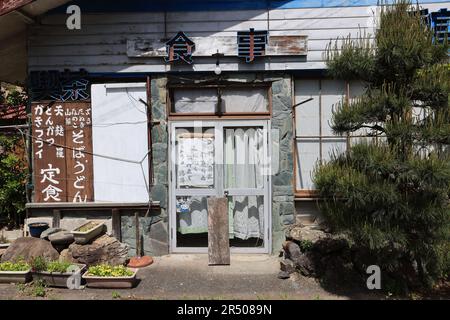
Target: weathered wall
(283,210)
(101,44)
(154,228)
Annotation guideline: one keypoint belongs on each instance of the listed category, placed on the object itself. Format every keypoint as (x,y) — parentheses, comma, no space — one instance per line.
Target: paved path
(189,277)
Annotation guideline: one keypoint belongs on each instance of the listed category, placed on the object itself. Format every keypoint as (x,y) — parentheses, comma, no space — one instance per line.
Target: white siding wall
(100,46)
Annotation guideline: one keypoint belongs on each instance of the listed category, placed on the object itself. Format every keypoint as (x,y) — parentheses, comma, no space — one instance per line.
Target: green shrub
(58,267)
(14,266)
(39,264)
(13,178)
(391,195)
(105,270)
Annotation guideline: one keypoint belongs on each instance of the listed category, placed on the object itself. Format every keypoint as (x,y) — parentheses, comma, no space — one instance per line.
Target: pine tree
(391,194)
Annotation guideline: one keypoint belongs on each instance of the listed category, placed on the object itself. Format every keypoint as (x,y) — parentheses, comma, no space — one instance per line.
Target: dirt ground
(189,277)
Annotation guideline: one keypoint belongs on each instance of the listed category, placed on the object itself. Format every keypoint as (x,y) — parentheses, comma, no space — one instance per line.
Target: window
(120,142)
(440,22)
(218,100)
(315,140)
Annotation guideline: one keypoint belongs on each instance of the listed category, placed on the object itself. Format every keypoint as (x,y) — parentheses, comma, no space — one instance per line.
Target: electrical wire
(140,163)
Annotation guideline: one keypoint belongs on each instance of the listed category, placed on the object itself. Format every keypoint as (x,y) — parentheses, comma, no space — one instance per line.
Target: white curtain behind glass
(233,100)
(244,156)
(239,100)
(195,101)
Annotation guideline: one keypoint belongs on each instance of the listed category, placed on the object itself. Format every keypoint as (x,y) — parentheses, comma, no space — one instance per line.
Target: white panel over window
(244,100)
(307,126)
(205,100)
(332,92)
(307,113)
(315,140)
(357,89)
(120,138)
(195,101)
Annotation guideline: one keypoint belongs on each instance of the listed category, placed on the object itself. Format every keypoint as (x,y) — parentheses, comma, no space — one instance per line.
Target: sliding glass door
(221,159)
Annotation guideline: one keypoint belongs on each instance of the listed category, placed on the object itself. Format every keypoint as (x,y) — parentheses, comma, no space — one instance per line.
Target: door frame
(219,186)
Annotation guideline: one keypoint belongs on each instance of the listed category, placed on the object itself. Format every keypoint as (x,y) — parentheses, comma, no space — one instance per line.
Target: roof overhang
(15,15)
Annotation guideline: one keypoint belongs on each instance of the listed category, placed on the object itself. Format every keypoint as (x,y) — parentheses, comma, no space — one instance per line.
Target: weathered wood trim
(91,205)
(7,6)
(207,46)
(116,224)
(56,222)
(218,238)
(306,193)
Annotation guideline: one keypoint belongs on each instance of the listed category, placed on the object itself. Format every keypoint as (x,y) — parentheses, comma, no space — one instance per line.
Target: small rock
(292,250)
(65,256)
(287,265)
(307,233)
(46,233)
(305,265)
(104,249)
(283,275)
(28,248)
(62,237)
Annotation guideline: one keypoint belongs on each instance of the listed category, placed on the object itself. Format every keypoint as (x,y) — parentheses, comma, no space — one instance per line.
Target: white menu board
(195,162)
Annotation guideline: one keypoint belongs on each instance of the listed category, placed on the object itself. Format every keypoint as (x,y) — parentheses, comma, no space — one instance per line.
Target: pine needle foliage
(392,193)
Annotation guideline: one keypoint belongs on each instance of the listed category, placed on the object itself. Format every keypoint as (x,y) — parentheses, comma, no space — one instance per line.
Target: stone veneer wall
(283,208)
(154,228)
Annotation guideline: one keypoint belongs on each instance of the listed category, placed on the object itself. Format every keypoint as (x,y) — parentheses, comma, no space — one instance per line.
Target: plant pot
(15,276)
(56,279)
(111,282)
(37,228)
(81,237)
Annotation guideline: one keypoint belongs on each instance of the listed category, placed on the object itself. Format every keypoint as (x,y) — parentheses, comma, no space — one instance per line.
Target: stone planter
(111,282)
(15,276)
(83,237)
(56,279)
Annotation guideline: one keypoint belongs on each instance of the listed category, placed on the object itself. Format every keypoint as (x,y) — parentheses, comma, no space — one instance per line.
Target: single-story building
(155,106)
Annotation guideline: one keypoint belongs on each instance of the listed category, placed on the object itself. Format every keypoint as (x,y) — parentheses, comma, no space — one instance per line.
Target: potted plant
(4,243)
(37,228)
(87,232)
(107,276)
(57,274)
(15,272)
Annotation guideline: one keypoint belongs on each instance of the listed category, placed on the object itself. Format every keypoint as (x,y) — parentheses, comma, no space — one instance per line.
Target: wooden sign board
(218,237)
(62,152)
(207,46)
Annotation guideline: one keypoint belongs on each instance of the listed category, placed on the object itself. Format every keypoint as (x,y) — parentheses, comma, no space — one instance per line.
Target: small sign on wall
(62,152)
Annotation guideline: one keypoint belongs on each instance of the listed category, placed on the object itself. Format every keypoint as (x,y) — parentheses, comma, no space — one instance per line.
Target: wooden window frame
(311,194)
(210,115)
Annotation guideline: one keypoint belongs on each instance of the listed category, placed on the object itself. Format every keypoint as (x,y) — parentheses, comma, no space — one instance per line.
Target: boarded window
(120,142)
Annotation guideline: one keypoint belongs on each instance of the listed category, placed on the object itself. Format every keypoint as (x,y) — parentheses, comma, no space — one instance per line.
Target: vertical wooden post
(138,235)
(218,238)
(56,223)
(116,224)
